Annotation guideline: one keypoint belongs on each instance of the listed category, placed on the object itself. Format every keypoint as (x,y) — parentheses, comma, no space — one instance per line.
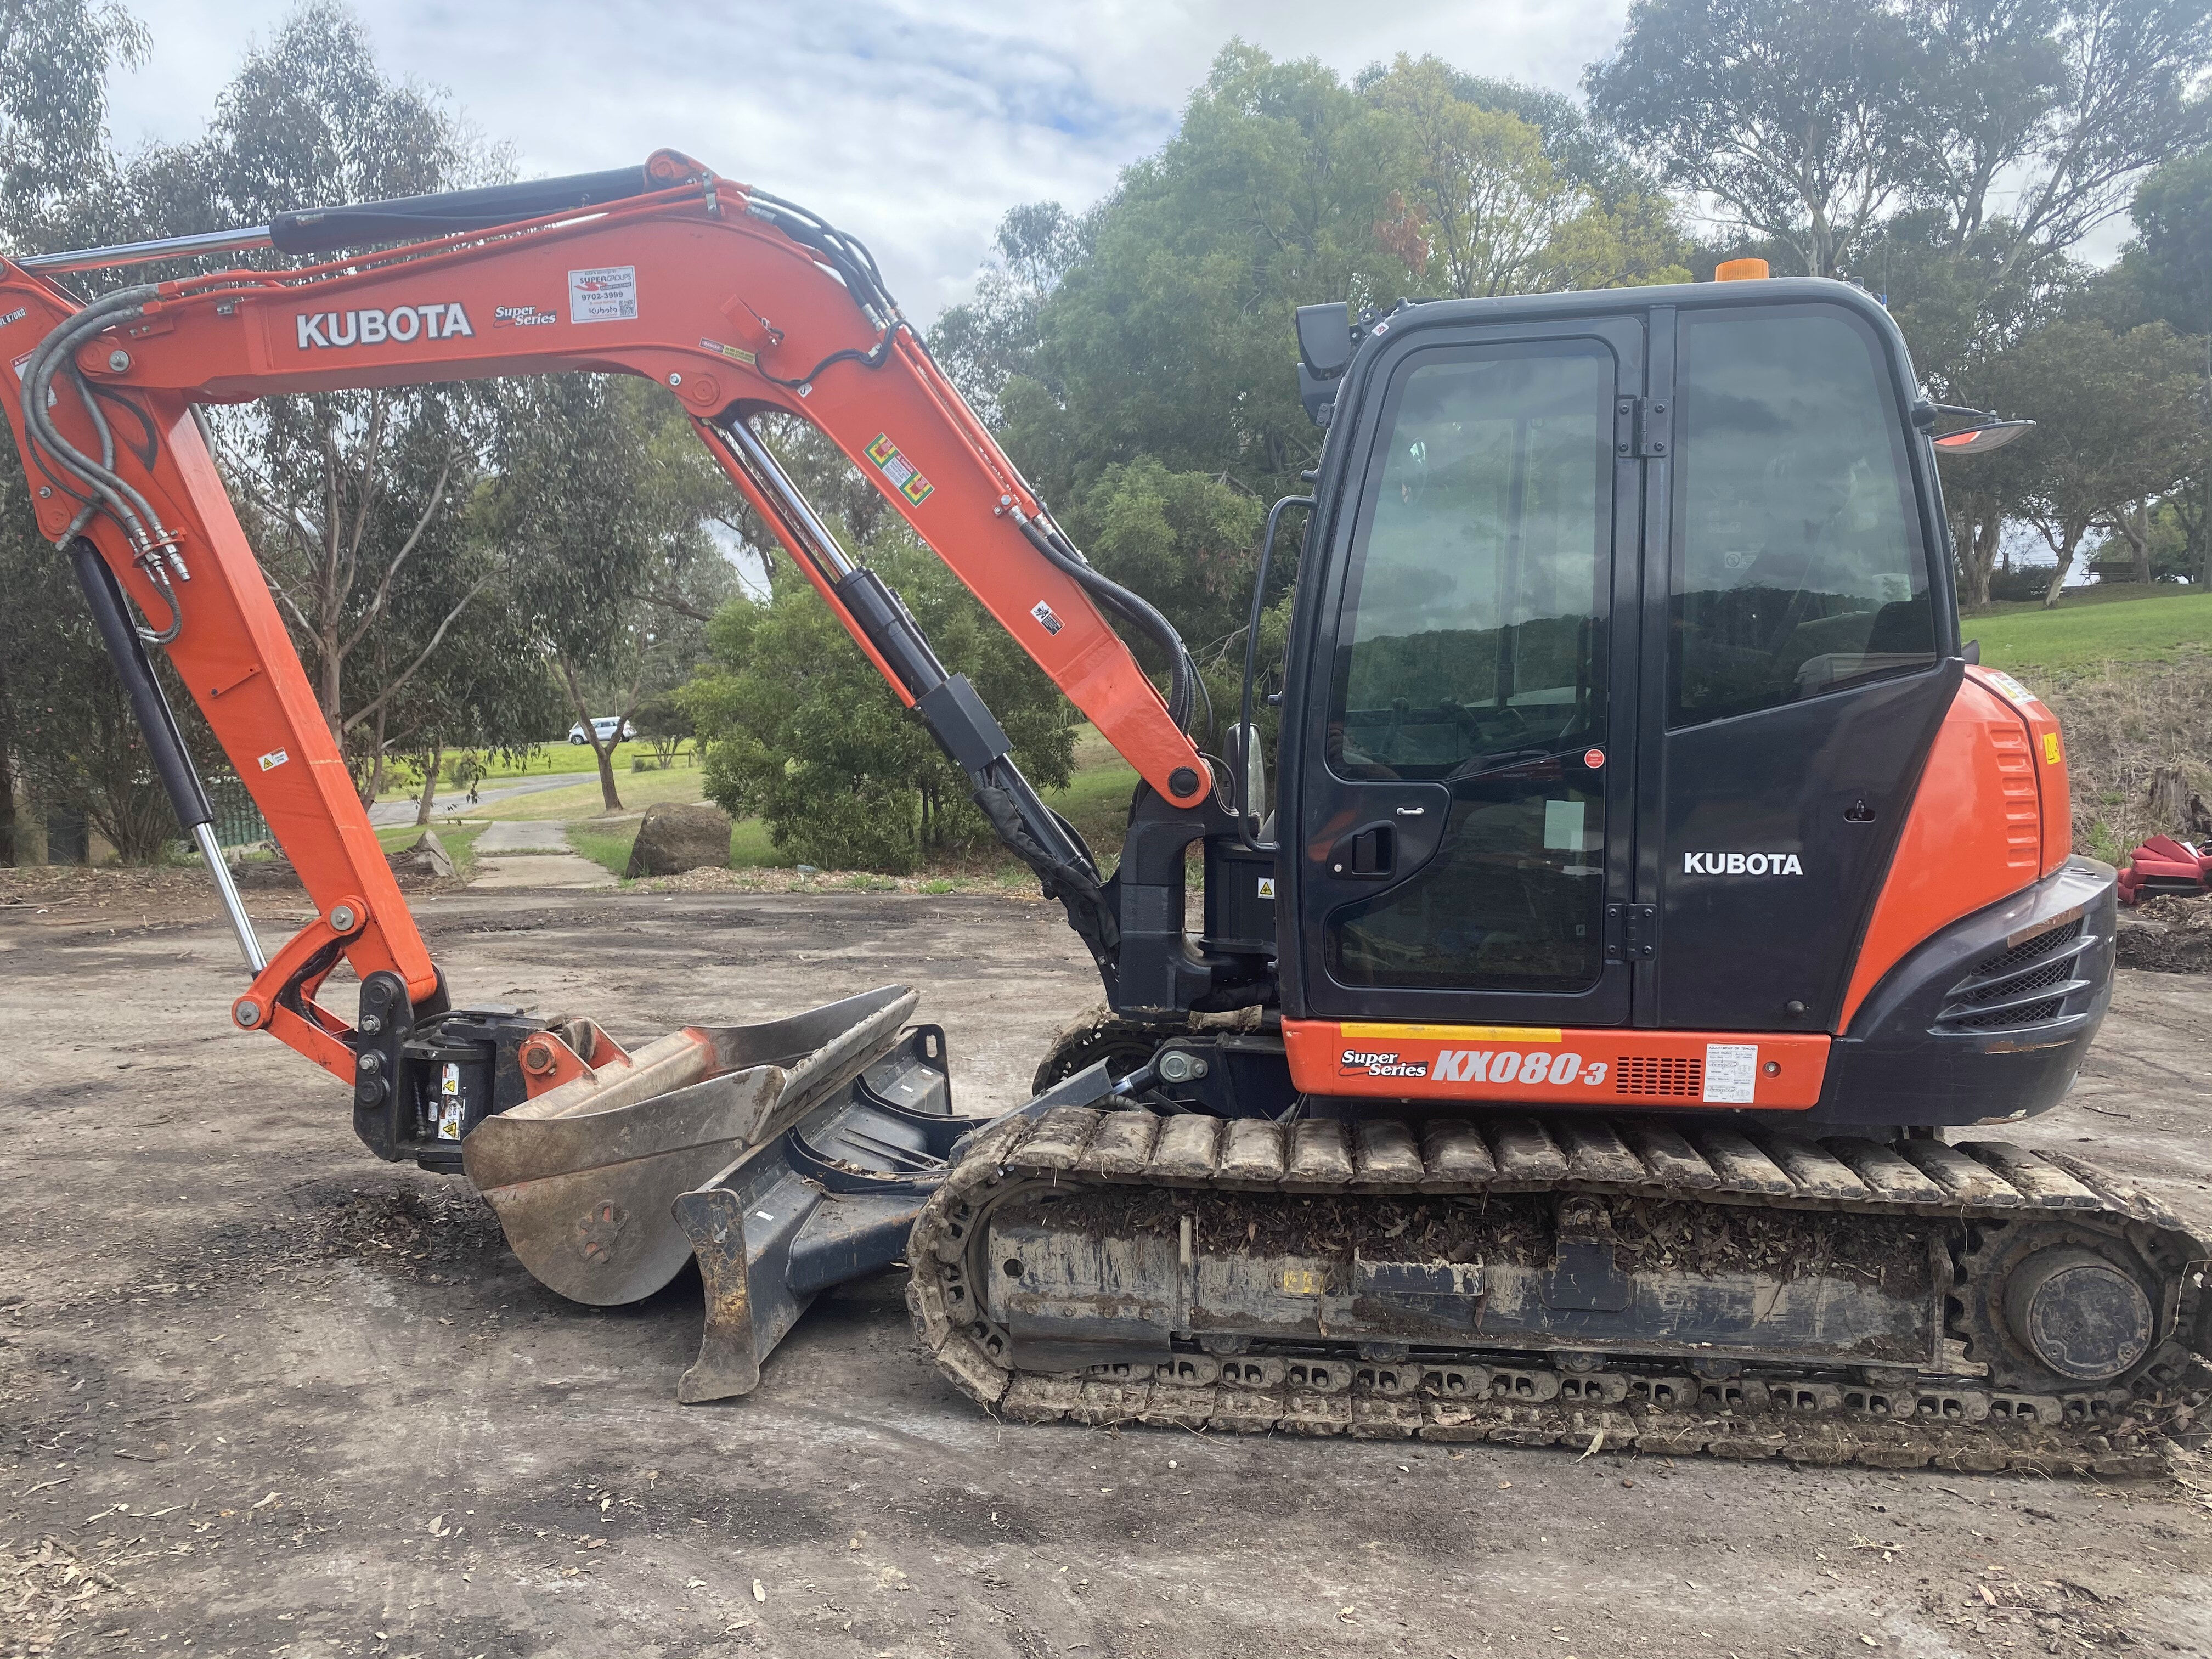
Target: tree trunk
(2200,534)
(376,765)
(606,758)
(2134,523)
(430,783)
(1973,574)
(331,664)
(604,754)
(1977,537)
(2169,801)
(2069,538)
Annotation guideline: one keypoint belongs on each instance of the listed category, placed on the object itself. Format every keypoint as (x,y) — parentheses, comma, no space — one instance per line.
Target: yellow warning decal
(735,353)
(1381,1033)
(900,470)
(2051,749)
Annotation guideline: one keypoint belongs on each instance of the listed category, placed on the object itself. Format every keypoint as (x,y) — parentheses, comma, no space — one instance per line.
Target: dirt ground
(262,1394)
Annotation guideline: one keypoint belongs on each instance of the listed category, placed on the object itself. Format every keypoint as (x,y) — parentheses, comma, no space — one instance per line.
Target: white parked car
(603,729)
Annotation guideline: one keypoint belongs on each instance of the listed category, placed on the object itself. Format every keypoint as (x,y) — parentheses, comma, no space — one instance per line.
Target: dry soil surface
(261,1394)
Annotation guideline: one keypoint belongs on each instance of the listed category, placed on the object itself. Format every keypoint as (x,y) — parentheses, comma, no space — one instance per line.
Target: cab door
(1463,802)
(1799,649)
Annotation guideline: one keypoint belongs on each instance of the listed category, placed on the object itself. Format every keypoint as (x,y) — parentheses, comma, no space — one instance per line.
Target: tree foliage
(60,736)
(1489,210)
(2171,260)
(609,572)
(1809,121)
(1140,360)
(1789,114)
(2120,418)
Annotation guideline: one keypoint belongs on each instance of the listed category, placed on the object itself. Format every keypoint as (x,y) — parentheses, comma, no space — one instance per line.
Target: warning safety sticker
(899,469)
(1731,1072)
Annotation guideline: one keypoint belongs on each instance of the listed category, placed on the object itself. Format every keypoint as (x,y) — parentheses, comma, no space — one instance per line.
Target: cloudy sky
(914,124)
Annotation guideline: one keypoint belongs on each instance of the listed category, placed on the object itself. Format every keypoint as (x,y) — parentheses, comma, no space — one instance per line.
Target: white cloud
(911,124)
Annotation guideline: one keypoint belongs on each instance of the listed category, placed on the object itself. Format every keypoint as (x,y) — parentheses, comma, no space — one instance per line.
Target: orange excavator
(1579,1027)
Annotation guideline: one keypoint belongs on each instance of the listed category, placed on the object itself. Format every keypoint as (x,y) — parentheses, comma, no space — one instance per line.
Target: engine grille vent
(2011,989)
(1670,1075)
(2032,949)
(1997,1018)
(2052,973)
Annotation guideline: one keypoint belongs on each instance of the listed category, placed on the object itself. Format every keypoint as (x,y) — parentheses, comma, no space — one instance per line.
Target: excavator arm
(736,302)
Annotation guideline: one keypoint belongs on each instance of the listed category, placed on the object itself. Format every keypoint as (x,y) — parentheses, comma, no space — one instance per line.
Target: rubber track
(2109,1432)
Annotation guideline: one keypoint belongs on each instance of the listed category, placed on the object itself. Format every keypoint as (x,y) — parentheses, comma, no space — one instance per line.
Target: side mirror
(1325,338)
(1324,353)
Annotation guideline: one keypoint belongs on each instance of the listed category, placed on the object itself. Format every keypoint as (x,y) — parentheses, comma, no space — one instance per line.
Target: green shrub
(799,730)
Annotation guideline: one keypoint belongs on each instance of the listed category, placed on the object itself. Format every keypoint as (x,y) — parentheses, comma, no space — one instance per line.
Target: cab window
(1475,609)
(1798,566)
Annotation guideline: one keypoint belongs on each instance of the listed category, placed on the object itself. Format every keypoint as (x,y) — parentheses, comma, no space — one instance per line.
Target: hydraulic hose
(1182,673)
(55,354)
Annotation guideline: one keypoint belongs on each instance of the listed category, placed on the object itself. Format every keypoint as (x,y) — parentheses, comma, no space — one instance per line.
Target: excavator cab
(1631,567)
(1623,634)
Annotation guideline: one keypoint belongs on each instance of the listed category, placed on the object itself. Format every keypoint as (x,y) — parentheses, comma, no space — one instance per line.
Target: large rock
(424,859)
(674,839)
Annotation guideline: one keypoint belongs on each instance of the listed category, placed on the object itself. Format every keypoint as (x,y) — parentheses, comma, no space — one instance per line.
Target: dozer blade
(583,1175)
(831,1199)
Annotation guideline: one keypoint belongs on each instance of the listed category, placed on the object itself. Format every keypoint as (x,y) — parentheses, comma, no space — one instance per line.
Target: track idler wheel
(2079,1314)
(2054,1309)
(1125,1045)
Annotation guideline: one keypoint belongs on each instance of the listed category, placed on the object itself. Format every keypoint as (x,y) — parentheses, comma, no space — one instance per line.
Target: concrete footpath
(392,814)
(533,852)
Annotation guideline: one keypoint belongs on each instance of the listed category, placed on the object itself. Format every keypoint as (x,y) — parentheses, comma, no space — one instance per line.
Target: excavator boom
(738,303)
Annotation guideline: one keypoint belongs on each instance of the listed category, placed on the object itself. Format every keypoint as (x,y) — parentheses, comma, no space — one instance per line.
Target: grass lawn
(550,759)
(605,844)
(582,799)
(1097,799)
(2078,635)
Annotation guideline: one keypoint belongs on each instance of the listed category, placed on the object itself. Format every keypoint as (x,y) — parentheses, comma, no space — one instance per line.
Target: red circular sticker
(1593,758)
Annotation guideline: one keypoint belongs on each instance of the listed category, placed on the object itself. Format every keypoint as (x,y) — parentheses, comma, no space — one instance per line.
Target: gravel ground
(262,1394)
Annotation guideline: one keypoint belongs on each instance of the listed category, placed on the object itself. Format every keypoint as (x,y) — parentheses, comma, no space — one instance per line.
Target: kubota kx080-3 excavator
(1652,883)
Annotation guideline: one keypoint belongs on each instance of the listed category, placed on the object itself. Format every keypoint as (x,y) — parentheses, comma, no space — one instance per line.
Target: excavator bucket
(790,1156)
(583,1175)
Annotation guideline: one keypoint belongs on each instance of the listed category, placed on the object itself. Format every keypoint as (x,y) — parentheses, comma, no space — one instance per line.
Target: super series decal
(1539,1066)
